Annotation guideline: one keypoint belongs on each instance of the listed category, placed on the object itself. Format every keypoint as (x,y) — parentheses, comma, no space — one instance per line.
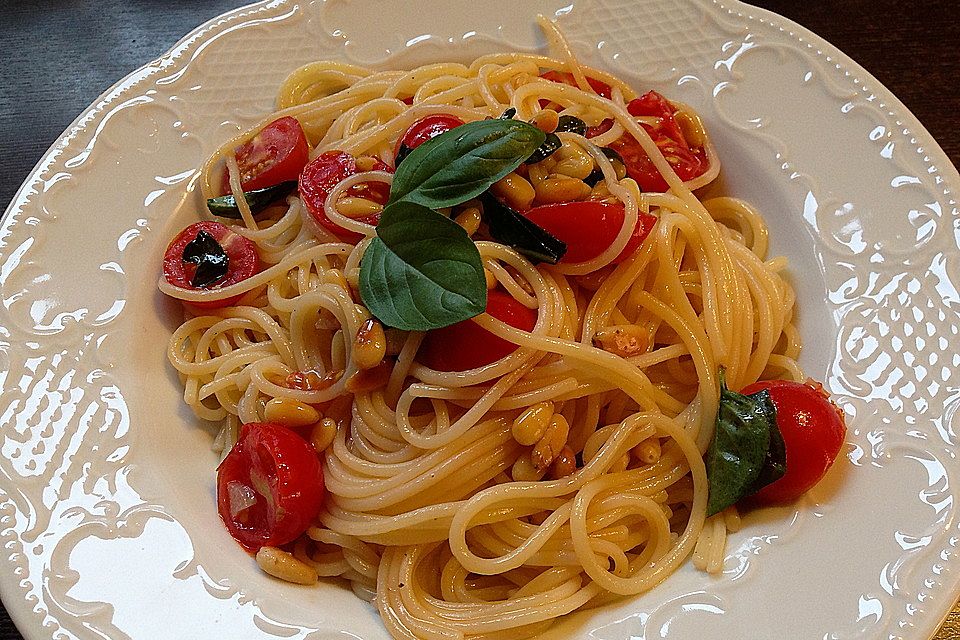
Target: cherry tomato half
(467,345)
(425,128)
(277,154)
(243,260)
(269,487)
(813,430)
(588,228)
(325,172)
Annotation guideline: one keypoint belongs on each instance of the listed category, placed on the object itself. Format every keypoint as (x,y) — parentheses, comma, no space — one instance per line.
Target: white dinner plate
(107,506)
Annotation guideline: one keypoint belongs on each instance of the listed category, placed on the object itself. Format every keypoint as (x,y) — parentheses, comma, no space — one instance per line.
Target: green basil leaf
(511,228)
(739,447)
(422,271)
(462,163)
(258,200)
(775,462)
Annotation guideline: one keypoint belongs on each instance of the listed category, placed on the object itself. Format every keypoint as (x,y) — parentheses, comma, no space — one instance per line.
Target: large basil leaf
(462,163)
(511,228)
(741,441)
(422,271)
(775,462)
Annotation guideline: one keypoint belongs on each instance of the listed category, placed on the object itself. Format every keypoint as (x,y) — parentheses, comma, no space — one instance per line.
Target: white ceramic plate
(107,517)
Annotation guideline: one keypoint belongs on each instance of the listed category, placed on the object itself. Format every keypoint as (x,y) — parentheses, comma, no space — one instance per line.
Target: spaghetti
(487,502)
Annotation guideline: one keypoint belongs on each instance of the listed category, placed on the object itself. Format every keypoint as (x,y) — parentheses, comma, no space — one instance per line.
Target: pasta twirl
(433,507)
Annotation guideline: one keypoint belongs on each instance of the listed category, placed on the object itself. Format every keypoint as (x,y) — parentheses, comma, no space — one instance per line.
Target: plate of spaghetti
(480,324)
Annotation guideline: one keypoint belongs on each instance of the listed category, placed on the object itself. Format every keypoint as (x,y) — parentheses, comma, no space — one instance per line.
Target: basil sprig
(423,271)
(747,452)
(258,200)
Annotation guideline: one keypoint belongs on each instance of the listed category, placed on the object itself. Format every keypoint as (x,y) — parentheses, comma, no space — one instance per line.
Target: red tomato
(325,172)
(653,104)
(602,88)
(277,154)
(241,252)
(467,345)
(269,487)
(588,228)
(813,430)
(425,128)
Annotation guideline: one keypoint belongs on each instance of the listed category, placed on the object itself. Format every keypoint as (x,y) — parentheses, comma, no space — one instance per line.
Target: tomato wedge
(269,487)
(425,128)
(277,154)
(602,88)
(242,260)
(325,172)
(588,228)
(813,431)
(467,345)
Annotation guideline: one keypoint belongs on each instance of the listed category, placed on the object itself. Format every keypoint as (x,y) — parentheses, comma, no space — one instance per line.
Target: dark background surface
(59,56)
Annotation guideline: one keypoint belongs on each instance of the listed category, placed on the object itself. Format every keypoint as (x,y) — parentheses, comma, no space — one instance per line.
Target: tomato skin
(466,345)
(588,228)
(277,154)
(602,88)
(325,172)
(269,457)
(813,431)
(426,128)
(242,253)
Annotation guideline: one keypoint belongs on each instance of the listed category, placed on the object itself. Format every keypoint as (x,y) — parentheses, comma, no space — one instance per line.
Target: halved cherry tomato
(425,128)
(269,487)
(813,430)
(277,154)
(602,88)
(325,172)
(588,228)
(243,260)
(652,104)
(467,345)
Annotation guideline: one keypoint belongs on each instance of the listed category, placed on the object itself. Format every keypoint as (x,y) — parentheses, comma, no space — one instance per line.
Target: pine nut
(369,345)
(312,381)
(601,193)
(530,425)
(624,340)
(323,433)
(366,163)
(692,129)
(353,207)
(524,471)
(538,172)
(546,120)
(546,450)
(559,188)
(573,161)
(469,219)
(648,451)
(620,464)
(515,191)
(289,413)
(564,464)
(280,564)
(490,279)
(367,380)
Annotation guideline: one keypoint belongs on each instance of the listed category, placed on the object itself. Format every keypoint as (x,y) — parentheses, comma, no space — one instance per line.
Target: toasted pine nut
(551,443)
(323,433)
(546,120)
(280,564)
(490,279)
(573,161)
(524,471)
(366,163)
(624,340)
(353,207)
(564,464)
(530,425)
(648,451)
(601,193)
(469,219)
(515,191)
(289,412)
(691,127)
(312,381)
(369,345)
(559,188)
(369,379)
(538,172)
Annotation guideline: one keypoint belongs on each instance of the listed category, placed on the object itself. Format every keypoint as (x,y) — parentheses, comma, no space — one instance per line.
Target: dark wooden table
(59,56)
